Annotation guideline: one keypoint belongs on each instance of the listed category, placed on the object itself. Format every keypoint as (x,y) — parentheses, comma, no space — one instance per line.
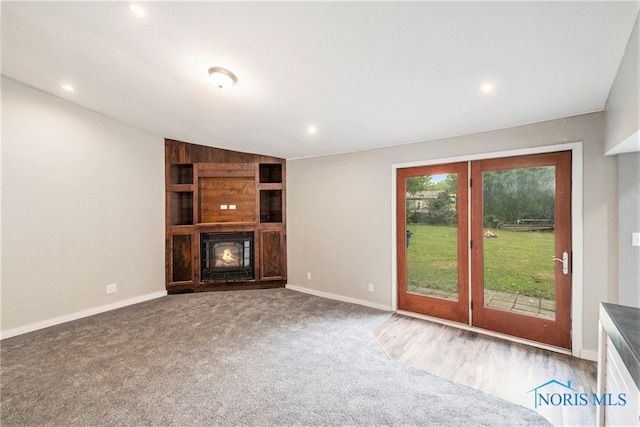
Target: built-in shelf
(181,174)
(270,192)
(210,190)
(181,208)
(181,188)
(271,206)
(270,173)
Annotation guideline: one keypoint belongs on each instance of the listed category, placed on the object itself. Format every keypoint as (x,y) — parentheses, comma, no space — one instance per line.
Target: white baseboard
(79,315)
(339,297)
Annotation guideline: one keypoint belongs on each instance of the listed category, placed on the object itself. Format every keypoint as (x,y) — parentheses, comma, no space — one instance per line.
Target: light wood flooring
(501,368)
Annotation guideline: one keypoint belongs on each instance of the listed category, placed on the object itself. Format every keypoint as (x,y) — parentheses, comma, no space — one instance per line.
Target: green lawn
(515,262)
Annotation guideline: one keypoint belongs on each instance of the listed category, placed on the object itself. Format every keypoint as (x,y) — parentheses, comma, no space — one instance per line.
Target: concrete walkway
(540,307)
(515,302)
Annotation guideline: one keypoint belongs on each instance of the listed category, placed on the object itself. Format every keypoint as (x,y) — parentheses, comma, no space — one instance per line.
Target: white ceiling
(366,74)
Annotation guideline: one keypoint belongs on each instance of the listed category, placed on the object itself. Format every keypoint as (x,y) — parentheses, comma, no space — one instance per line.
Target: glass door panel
(521,254)
(432,214)
(432,235)
(519,240)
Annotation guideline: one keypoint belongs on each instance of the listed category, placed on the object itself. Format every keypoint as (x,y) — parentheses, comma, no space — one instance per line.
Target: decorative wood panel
(227,200)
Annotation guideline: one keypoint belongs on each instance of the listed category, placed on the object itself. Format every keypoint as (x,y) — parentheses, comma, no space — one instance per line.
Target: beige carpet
(250,358)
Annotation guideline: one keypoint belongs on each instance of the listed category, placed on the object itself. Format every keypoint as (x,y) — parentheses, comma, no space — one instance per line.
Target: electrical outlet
(635,239)
(370,287)
(308,276)
(112,288)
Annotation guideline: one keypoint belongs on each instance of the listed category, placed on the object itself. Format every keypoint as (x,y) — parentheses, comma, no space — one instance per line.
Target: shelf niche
(181,208)
(271,206)
(181,174)
(270,173)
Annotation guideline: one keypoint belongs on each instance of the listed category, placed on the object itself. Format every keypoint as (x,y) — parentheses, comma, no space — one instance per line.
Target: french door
(488,243)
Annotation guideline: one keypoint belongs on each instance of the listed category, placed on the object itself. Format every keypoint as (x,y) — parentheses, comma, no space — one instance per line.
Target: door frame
(576,149)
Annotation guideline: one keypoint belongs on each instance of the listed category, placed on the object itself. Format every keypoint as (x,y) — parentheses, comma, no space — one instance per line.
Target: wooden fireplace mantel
(211,190)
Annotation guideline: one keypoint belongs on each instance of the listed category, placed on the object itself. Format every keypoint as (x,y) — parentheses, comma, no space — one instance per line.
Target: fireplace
(226,257)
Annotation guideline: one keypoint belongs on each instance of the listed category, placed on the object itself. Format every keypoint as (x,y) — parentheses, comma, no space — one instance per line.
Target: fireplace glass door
(226,256)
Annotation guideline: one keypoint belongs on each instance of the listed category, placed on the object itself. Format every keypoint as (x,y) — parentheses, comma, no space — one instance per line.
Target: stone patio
(540,307)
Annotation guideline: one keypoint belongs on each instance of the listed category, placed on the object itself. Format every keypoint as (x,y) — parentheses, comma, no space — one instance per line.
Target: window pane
(432,236)
(518,219)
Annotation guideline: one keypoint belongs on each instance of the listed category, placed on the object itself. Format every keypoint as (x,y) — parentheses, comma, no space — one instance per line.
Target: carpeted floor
(249,358)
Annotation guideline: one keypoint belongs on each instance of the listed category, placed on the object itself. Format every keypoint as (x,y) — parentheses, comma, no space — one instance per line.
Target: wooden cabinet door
(272,249)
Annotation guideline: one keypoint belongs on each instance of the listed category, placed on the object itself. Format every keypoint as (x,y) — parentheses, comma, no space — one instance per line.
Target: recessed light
(312,130)
(67,87)
(137,11)
(222,77)
(487,88)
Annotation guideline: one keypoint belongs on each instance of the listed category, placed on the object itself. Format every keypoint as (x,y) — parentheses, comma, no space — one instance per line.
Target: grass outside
(514,262)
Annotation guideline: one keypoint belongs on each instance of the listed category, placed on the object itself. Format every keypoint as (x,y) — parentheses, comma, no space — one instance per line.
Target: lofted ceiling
(363,74)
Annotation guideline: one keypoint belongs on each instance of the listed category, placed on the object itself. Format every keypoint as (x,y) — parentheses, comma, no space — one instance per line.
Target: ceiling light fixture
(487,88)
(312,130)
(138,12)
(67,87)
(222,77)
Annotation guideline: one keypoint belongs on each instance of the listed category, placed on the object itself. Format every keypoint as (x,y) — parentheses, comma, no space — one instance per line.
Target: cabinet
(214,192)
(618,366)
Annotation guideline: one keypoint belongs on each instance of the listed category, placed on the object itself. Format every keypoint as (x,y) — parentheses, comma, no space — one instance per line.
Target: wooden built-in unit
(211,190)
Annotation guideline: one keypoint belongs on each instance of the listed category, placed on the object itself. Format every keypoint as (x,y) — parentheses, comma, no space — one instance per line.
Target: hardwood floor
(502,368)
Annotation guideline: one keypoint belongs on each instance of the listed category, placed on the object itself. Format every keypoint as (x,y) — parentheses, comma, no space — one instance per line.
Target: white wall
(629,222)
(622,133)
(82,207)
(340,211)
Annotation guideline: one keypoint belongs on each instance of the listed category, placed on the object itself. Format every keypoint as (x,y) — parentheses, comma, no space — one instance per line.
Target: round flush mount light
(222,78)
(487,88)
(67,87)
(137,11)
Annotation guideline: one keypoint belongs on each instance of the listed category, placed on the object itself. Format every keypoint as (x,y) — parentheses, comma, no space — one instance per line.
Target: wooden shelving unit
(211,190)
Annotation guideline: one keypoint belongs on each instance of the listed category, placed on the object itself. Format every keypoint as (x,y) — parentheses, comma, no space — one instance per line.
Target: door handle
(564,261)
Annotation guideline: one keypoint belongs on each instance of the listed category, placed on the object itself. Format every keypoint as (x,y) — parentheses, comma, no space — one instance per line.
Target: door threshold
(486,332)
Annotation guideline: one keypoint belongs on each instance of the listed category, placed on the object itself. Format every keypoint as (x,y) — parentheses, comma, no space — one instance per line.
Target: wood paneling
(185,153)
(219,196)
